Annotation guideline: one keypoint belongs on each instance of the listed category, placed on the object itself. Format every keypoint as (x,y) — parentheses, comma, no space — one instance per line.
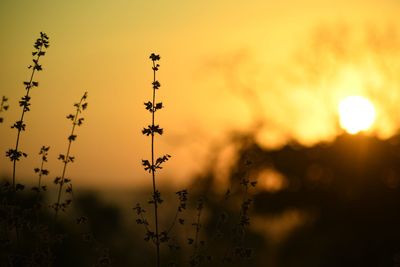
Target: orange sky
(225,65)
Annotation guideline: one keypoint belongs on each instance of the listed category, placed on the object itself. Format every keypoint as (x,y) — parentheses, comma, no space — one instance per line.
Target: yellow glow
(356,114)
(272,181)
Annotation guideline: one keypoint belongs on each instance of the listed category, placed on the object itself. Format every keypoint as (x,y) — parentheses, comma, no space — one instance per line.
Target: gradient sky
(277,67)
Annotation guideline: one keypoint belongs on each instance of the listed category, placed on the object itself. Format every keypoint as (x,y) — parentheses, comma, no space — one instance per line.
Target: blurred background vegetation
(332,204)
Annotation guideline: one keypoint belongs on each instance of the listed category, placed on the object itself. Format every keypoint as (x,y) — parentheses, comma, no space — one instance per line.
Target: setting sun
(356,114)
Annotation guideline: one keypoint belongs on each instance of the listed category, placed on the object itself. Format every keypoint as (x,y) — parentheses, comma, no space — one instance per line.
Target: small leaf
(68,190)
(147,166)
(156,85)
(159,105)
(57,180)
(149,106)
(146,131)
(80,121)
(154,57)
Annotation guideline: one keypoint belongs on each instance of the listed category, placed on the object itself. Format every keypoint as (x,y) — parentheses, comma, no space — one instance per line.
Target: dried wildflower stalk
(158,237)
(41,44)
(182,198)
(237,248)
(44,151)
(152,165)
(198,257)
(66,158)
(3,107)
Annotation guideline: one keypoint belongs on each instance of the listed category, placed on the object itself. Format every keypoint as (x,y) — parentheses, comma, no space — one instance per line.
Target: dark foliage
(66,158)
(14,154)
(3,107)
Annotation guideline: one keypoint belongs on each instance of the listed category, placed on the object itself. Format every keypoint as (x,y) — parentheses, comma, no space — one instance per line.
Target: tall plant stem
(66,160)
(153,173)
(198,227)
(40,174)
(28,88)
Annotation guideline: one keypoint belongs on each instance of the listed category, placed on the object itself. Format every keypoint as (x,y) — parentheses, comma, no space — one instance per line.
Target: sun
(356,114)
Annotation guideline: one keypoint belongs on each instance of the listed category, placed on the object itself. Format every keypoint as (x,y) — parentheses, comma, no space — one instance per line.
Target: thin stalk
(240,225)
(40,174)
(22,116)
(195,258)
(198,227)
(173,222)
(66,161)
(153,172)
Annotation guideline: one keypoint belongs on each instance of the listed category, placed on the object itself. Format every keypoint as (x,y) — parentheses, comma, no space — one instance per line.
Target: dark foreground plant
(222,241)
(44,151)
(237,249)
(198,257)
(66,158)
(153,165)
(3,107)
(41,44)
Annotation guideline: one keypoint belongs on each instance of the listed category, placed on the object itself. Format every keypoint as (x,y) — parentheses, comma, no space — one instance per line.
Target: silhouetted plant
(41,44)
(237,249)
(198,255)
(44,151)
(182,198)
(3,107)
(165,236)
(152,166)
(224,239)
(66,158)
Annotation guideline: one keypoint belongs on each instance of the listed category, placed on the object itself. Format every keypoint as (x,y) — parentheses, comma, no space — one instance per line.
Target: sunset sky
(279,68)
